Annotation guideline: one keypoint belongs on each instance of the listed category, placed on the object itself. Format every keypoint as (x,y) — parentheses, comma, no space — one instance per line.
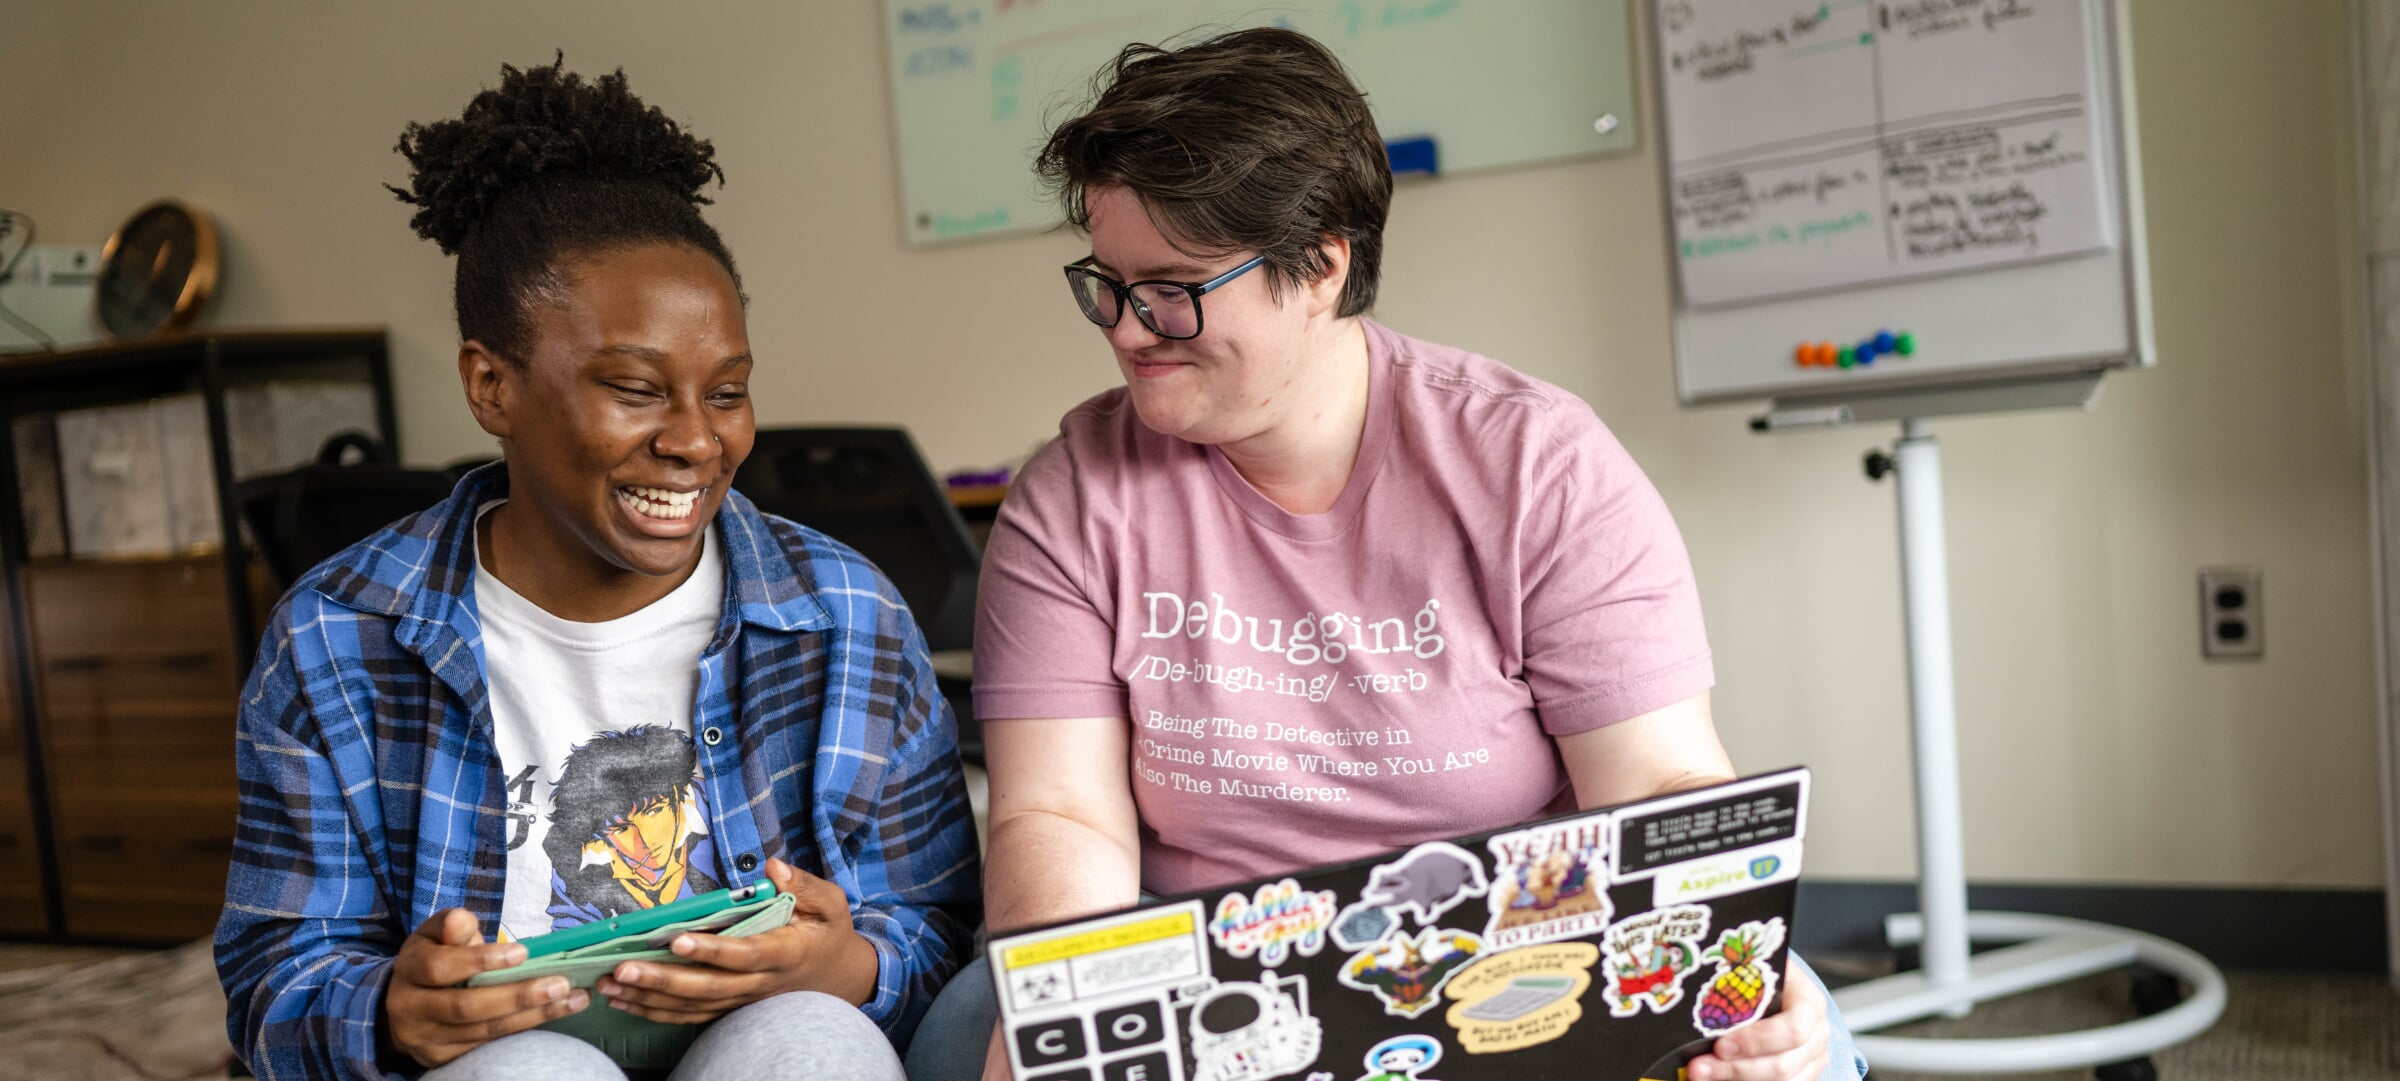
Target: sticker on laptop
(1361,925)
(1744,982)
(1548,883)
(1428,880)
(1407,972)
(1732,872)
(1431,879)
(1521,998)
(1251,1031)
(1401,1058)
(1149,949)
(1649,956)
(1103,987)
(1271,923)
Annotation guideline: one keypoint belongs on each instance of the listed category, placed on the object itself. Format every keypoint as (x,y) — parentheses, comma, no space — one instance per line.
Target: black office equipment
(301,517)
(869,488)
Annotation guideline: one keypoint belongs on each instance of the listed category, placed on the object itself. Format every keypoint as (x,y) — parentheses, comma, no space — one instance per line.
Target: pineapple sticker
(1744,982)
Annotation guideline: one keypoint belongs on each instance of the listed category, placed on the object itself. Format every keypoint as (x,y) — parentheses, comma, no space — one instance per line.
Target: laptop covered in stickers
(1608,945)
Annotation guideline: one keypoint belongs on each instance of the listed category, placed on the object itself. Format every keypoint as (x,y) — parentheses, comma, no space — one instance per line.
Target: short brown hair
(1255,140)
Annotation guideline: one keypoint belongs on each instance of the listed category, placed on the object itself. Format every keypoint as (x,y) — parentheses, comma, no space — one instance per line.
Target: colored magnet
(1805,355)
(1905,344)
(1418,155)
(1845,358)
(1865,352)
(1885,342)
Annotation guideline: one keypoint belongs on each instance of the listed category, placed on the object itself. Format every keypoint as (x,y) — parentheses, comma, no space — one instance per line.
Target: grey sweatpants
(800,1036)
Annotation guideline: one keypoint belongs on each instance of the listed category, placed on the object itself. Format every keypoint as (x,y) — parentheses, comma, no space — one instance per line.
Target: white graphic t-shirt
(594,725)
(1304,688)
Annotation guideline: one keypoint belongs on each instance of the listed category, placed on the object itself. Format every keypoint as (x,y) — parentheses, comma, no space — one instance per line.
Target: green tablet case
(633,1042)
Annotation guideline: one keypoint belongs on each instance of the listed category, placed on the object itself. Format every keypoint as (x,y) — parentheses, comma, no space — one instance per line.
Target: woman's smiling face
(632,410)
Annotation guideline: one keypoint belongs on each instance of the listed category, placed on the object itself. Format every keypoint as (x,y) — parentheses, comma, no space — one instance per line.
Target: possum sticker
(1429,880)
(1650,955)
(1407,972)
(1548,884)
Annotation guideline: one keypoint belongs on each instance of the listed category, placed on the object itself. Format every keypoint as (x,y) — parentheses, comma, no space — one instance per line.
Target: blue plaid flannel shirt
(371,796)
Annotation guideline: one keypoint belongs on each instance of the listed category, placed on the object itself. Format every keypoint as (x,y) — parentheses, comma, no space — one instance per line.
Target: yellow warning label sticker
(1098,940)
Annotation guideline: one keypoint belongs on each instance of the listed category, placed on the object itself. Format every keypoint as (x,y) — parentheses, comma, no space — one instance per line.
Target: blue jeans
(799,1036)
(956,1033)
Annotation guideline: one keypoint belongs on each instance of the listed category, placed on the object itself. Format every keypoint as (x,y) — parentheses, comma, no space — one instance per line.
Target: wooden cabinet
(122,676)
(20,859)
(136,680)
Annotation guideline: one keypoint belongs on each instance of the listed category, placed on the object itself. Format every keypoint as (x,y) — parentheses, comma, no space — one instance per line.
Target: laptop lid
(1608,944)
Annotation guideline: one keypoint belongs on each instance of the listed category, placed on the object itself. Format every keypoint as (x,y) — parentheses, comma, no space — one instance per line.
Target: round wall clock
(157,271)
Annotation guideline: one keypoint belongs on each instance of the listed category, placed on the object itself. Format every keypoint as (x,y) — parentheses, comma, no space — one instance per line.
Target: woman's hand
(430,1018)
(1790,1046)
(995,1061)
(817,951)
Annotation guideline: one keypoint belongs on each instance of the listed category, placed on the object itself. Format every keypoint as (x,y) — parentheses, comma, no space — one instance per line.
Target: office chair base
(2049,950)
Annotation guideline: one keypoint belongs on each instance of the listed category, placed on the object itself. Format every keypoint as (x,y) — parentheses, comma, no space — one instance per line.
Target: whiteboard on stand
(1951,175)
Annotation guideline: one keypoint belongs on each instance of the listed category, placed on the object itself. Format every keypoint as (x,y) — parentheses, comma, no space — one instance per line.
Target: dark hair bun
(543,123)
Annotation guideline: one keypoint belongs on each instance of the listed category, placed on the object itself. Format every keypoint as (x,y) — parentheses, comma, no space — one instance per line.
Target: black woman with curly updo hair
(594,680)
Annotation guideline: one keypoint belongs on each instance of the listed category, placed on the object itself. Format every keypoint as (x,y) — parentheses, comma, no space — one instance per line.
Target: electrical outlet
(69,265)
(2233,621)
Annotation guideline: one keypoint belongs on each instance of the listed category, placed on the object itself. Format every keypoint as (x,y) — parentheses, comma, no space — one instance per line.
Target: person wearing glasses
(1306,589)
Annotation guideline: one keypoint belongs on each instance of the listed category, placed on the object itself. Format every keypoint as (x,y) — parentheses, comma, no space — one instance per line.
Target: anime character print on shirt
(628,827)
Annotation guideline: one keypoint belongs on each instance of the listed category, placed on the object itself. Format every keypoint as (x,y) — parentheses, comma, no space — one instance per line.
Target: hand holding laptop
(1789,1046)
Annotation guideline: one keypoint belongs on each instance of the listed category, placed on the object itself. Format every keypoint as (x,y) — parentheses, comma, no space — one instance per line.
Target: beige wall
(2097,747)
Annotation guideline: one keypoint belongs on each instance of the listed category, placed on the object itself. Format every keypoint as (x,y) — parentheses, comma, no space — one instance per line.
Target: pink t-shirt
(1320,687)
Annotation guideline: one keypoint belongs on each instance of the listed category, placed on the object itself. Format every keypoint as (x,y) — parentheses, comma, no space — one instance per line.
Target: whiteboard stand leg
(1933,710)
(2053,950)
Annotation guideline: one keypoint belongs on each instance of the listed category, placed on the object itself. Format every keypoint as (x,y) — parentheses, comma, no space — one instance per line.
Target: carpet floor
(2283,1026)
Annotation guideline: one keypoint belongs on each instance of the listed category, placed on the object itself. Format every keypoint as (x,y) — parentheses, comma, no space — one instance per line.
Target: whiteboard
(1955,171)
(976,84)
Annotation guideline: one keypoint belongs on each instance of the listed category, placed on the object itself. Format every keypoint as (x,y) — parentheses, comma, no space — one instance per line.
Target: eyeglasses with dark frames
(1171,309)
